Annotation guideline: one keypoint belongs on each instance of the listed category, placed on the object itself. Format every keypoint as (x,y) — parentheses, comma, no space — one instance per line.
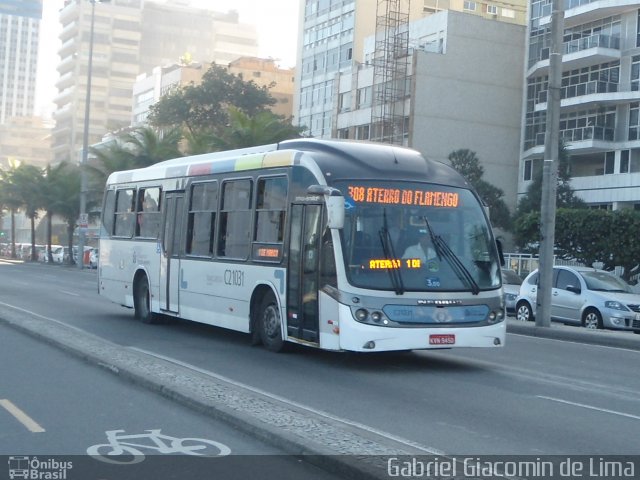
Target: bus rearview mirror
(335,204)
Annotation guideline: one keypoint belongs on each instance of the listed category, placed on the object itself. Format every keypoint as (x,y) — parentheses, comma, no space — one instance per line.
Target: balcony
(591,94)
(579,12)
(579,53)
(582,140)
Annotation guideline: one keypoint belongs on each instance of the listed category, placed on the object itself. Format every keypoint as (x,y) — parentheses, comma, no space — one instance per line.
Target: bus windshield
(410,237)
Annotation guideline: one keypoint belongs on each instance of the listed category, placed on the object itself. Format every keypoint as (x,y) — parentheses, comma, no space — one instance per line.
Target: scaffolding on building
(390,72)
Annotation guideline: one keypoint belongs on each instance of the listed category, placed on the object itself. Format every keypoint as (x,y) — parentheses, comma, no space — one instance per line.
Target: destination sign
(401,196)
(394,263)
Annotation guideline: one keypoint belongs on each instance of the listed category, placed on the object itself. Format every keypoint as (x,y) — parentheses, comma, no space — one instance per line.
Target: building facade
(19,37)
(127,42)
(25,139)
(265,73)
(464,92)
(600,99)
(331,41)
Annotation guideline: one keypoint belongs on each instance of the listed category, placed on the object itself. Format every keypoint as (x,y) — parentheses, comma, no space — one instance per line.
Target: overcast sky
(276,22)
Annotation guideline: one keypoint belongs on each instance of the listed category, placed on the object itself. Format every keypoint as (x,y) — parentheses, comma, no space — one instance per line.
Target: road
(534,397)
(52,403)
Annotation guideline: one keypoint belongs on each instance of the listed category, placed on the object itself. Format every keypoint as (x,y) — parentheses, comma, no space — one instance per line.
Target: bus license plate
(438,339)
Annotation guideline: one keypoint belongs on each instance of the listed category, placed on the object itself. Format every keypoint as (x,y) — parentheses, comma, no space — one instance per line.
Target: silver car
(511,286)
(584,296)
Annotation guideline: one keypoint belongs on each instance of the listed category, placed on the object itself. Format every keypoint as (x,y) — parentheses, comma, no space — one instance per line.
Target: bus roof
(336,159)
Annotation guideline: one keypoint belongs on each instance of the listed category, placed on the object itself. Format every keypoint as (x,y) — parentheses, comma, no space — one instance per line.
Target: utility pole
(550,168)
(83,221)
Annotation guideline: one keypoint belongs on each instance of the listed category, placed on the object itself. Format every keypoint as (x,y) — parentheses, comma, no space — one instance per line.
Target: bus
(306,242)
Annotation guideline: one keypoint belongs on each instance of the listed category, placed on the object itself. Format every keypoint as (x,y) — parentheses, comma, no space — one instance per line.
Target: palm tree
(28,179)
(10,198)
(67,188)
(53,195)
(262,128)
(148,146)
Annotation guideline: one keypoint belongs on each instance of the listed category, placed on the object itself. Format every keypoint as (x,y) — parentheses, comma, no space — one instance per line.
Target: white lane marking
(429,450)
(523,335)
(73,294)
(29,312)
(589,407)
(22,417)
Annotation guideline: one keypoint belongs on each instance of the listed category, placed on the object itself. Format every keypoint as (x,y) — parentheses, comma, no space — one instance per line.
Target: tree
(205,106)
(467,163)
(529,205)
(245,130)
(67,186)
(140,148)
(590,236)
(566,197)
(27,180)
(50,196)
(11,198)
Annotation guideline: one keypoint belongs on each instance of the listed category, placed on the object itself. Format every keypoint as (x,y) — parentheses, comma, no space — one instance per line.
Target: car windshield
(416,237)
(605,282)
(511,278)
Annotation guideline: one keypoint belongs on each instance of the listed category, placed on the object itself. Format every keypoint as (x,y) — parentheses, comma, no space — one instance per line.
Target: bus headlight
(361,314)
(376,317)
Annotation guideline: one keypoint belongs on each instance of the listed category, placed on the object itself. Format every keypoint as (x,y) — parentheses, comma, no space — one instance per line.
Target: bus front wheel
(270,324)
(142,301)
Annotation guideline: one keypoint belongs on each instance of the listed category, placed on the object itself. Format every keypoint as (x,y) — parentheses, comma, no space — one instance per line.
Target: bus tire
(270,324)
(142,301)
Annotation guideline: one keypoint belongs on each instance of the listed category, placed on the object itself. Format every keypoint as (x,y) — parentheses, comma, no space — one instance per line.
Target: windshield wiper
(444,251)
(389,252)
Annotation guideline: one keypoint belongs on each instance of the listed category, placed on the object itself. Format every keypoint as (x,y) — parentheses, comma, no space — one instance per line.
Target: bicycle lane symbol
(126,449)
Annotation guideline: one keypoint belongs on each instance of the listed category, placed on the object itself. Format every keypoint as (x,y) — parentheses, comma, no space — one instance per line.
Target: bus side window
(270,210)
(202,216)
(148,213)
(125,213)
(235,216)
(109,210)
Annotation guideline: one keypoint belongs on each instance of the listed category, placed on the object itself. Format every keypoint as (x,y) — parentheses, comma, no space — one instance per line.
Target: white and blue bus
(306,241)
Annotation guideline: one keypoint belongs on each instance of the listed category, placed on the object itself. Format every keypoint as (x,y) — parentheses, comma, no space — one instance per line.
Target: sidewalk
(558,331)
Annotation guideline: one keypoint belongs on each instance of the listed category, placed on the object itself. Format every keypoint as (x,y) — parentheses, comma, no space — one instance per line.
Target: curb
(606,338)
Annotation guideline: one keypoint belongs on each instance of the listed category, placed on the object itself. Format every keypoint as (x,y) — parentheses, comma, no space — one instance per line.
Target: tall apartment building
(172,30)
(116,53)
(19,37)
(25,139)
(600,99)
(331,40)
(465,76)
(130,37)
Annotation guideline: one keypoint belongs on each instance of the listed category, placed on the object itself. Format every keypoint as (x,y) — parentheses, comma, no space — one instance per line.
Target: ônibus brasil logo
(33,468)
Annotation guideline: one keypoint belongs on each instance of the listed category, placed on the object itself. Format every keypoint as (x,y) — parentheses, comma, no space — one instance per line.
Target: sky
(276,22)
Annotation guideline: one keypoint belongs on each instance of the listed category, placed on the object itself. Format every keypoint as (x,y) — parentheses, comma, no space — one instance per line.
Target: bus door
(170,256)
(304,272)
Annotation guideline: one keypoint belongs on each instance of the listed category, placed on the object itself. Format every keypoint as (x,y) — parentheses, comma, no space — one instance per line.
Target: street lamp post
(82,221)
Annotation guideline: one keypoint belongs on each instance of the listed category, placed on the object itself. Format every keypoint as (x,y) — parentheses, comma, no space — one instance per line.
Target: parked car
(511,282)
(583,296)
(60,254)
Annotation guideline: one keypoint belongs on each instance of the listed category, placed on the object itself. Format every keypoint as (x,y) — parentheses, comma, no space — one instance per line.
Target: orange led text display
(400,196)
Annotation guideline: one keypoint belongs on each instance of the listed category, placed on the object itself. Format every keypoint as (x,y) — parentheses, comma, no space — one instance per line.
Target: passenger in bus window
(422,249)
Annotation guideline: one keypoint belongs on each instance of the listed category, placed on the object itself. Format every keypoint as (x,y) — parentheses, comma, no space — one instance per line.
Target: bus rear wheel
(142,301)
(270,324)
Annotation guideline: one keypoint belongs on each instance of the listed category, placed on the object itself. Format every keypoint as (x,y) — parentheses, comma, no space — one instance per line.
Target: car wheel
(592,319)
(523,312)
